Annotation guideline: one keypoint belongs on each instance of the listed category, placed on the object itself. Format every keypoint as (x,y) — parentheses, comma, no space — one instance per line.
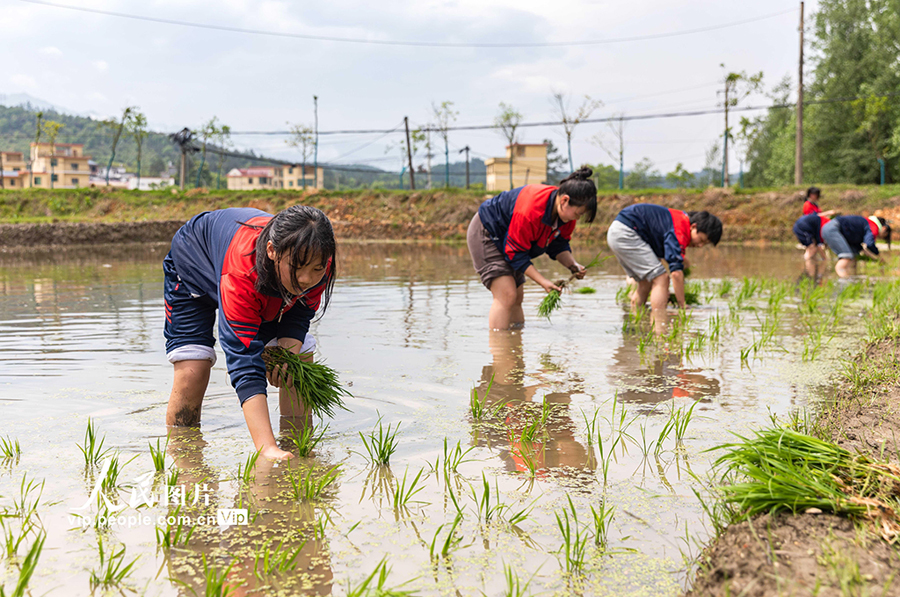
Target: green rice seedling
(158,455)
(681,419)
(245,474)
(514,586)
(403,494)
(316,384)
(172,479)
(781,469)
(322,521)
(592,428)
(110,481)
(454,500)
(550,303)
(716,324)
(454,458)
(24,507)
(269,561)
(381,446)
(489,508)
(602,516)
(547,409)
(216,583)
(645,446)
(305,440)
(13,537)
(574,537)
(10,449)
(92,449)
(311,487)
(525,450)
(27,568)
(606,457)
(664,434)
(113,569)
(725,287)
(174,535)
(586,290)
(692,292)
(623,294)
(375,585)
(530,431)
(452,542)
(478,405)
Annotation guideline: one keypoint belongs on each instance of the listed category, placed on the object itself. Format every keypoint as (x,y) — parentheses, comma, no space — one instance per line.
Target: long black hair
(887,228)
(581,191)
(301,233)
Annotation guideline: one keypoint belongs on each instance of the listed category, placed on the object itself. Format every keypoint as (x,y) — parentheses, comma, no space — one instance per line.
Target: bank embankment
(97,215)
(811,551)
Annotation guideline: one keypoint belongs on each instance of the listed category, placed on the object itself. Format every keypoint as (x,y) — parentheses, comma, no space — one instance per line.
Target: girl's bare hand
(578,271)
(547,285)
(279,377)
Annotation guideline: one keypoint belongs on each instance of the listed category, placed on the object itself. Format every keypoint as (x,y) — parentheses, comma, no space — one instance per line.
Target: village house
(13,170)
(529,166)
(59,166)
(273,177)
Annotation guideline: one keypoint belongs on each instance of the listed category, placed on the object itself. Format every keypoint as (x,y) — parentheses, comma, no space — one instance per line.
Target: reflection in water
(278,525)
(514,408)
(654,378)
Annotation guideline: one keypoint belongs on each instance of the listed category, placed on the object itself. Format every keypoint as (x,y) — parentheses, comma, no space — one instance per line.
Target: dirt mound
(87,233)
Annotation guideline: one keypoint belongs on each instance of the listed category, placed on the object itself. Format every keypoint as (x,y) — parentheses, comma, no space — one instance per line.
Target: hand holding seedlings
(316,384)
(553,300)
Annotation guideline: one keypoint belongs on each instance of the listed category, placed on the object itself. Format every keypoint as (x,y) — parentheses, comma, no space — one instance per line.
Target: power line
(420,44)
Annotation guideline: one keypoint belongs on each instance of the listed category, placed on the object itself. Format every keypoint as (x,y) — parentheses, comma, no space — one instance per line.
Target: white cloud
(101,65)
(96,96)
(24,81)
(51,51)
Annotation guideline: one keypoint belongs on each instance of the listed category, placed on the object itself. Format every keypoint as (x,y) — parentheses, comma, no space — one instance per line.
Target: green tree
(680,178)
(137,126)
(444,115)
(51,128)
(642,176)
(507,121)
(556,163)
(571,118)
(303,138)
(37,139)
(210,130)
(606,177)
(769,141)
(737,87)
(117,127)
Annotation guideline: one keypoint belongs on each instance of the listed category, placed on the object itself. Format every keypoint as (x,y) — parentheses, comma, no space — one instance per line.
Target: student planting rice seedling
(516,226)
(643,234)
(267,276)
(808,230)
(848,236)
(811,205)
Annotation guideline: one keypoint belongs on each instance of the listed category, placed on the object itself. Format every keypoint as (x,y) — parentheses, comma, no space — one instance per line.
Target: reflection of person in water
(280,521)
(659,380)
(556,447)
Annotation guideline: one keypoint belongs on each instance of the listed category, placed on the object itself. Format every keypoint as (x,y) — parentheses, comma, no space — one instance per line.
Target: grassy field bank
(748,215)
(810,506)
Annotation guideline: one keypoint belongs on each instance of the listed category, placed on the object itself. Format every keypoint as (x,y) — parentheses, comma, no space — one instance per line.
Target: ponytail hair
(708,224)
(300,233)
(581,191)
(887,229)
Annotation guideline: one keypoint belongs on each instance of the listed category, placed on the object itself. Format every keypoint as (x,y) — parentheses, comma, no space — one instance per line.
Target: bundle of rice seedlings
(781,469)
(691,297)
(316,384)
(553,300)
(586,290)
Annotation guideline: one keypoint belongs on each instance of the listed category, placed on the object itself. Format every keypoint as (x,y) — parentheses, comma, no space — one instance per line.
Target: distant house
(529,166)
(273,177)
(59,166)
(14,170)
(119,177)
(149,183)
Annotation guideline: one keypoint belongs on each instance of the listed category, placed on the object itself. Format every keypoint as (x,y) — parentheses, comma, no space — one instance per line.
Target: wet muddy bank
(818,553)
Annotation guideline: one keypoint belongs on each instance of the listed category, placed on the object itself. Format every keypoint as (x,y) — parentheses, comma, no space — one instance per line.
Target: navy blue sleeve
(295,321)
(801,231)
(672,251)
(558,245)
(869,240)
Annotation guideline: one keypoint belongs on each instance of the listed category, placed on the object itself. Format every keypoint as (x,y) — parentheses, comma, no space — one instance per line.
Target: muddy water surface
(81,336)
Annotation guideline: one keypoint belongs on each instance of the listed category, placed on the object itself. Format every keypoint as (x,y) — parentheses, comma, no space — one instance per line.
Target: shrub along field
(748,215)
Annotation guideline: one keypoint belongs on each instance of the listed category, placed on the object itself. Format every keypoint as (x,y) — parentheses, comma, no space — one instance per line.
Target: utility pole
(466,149)
(798,151)
(316,150)
(725,144)
(412,176)
(446,164)
(2,181)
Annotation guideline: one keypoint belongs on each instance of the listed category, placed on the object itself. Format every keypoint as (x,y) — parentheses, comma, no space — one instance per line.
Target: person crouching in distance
(643,234)
(848,236)
(516,226)
(808,230)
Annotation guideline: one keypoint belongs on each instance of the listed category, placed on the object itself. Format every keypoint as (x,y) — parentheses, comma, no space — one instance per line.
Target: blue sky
(181,76)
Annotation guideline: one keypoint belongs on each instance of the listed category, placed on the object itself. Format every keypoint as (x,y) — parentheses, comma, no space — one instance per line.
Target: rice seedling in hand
(575,539)
(781,469)
(92,449)
(158,455)
(311,487)
(113,570)
(306,439)
(175,534)
(268,561)
(550,303)
(10,449)
(26,569)
(316,384)
(375,585)
(381,444)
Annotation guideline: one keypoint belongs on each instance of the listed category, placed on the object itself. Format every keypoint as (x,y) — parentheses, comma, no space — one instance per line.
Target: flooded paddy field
(575,472)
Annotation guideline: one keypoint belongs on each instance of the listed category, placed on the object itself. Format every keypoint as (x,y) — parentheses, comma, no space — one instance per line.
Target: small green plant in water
(306,439)
(311,486)
(175,534)
(316,384)
(375,585)
(26,569)
(451,542)
(268,561)
(586,290)
(245,473)
(575,539)
(10,449)
(602,517)
(92,449)
(404,493)
(381,443)
(158,455)
(113,569)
